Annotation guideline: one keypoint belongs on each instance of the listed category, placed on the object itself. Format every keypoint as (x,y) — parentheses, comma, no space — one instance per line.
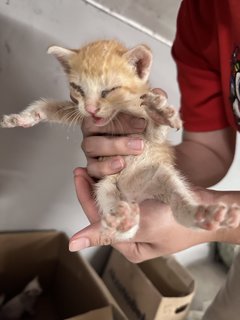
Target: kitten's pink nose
(91,108)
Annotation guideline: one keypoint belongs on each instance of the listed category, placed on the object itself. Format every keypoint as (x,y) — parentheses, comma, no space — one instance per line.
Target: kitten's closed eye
(73,99)
(77,88)
(104,93)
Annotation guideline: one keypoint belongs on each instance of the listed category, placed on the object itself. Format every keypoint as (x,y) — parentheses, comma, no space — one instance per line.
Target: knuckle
(101,239)
(91,171)
(104,168)
(132,254)
(87,127)
(97,169)
(134,258)
(83,145)
(105,239)
(118,145)
(87,147)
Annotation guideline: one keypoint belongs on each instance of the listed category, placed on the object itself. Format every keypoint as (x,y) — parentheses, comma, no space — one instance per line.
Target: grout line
(130,22)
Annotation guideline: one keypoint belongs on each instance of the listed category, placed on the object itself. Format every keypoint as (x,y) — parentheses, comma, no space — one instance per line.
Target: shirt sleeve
(195,51)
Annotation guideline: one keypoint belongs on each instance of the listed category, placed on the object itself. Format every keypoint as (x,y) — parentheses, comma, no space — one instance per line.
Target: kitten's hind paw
(123,223)
(213,217)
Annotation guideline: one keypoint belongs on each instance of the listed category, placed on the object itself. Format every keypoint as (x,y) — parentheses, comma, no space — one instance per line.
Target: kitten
(23,303)
(106,78)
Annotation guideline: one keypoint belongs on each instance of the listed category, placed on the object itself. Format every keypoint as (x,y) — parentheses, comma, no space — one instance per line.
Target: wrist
(205,236)
(191,237)
(228,235)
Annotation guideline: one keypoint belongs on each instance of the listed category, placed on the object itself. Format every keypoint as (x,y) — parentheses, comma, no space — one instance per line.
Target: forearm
(191,161)
(228,197)
(204,158)
(227,235)
(205,162)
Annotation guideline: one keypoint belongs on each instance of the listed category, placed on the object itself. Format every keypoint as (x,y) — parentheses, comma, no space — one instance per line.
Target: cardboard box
(103,313)
(159,289)
(71,288)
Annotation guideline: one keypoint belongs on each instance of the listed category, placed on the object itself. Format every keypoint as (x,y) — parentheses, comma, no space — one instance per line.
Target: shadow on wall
(35,164)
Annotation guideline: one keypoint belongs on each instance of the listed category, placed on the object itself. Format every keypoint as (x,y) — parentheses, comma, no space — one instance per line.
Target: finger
(84,190)
(99,169)
(136,252)
(122,124)
(96,146)
(90,236)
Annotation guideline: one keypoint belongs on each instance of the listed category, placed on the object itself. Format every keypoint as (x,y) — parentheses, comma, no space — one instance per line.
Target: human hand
(158,234)
(111,142)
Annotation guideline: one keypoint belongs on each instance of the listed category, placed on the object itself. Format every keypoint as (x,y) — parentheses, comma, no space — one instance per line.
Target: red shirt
(207,52)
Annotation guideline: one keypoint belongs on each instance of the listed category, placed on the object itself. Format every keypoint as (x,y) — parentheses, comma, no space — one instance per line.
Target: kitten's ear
(141,58)
(63,55)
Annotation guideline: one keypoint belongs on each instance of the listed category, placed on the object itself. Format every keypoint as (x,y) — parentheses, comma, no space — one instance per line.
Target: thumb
(90,236)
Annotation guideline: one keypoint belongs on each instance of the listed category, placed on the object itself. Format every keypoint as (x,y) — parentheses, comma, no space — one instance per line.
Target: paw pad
(123,219)
(212,217)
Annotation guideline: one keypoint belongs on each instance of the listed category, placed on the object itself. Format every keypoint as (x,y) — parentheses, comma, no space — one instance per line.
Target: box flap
(168,276)
(131,288)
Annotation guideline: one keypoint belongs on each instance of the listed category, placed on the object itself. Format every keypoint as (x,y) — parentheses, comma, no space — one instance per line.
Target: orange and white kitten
(106,78)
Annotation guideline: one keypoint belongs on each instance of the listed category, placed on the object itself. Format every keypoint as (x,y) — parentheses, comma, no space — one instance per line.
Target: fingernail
(79,244)
(76,172)
(135,144)
(117,164)
(138,123)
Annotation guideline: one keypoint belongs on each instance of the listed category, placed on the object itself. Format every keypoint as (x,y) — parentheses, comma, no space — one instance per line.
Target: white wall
(36,182)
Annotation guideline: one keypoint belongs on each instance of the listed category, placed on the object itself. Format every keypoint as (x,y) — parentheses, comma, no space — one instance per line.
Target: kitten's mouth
(99,121)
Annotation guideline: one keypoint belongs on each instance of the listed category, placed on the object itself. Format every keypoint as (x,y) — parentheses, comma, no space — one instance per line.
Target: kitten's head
(105,78)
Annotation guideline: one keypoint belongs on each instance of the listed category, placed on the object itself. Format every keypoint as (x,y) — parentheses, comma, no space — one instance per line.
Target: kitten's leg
(160,111)
(187,210)
(120,219)
(42,110)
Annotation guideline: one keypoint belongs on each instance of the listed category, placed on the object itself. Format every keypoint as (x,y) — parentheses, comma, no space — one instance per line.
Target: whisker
(69,107)
(68,116)
(73,117)
(76,116)
(111,127)
(121,128)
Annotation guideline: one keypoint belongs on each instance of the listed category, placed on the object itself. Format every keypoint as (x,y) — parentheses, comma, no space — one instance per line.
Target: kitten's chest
(154,154)
(141,169)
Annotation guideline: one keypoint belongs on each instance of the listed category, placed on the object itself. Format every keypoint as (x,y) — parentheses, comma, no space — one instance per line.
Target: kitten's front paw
(160,111)
(25,120)
(212,217)
(122,223)
(9,121)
